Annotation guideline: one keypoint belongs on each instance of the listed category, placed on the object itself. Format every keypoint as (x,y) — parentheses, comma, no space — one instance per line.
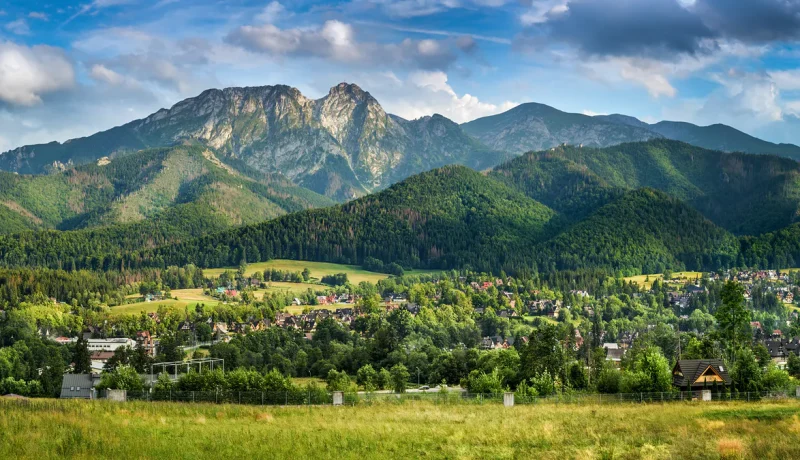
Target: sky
(69,69)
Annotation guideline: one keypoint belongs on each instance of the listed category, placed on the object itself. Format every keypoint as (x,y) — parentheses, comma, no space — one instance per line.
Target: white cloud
(38,15)
(746,95)
(793,107)
(656,75)
(786,80)
(271,13)
(102,73)
(542,10)
(337,41)
(592,113)
(19,27)
(28,73)
(425,93)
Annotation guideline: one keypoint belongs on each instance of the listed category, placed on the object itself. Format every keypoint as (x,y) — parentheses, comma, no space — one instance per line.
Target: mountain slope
(713,137)
(746,194)
(534,126)
(342,145)
(452,216)
(140,186)
(643,229)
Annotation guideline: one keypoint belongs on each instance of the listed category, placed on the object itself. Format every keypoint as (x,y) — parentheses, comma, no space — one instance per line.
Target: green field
(318,270)
(80,429)
(643,279)
(186,298)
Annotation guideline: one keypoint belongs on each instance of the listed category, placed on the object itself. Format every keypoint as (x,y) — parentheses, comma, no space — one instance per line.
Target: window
(79,388)
(71,388)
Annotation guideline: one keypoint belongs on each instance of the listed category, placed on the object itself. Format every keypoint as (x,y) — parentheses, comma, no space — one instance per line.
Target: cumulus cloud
(337,41)
(137,57)
(27,73)
(425,93)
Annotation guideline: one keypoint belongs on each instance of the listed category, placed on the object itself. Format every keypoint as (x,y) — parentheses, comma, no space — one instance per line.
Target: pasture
(186,298)
(647,280)
(43,429)
(355,274)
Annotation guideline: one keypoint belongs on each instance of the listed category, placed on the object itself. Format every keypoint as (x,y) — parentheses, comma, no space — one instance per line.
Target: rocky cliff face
(343,145)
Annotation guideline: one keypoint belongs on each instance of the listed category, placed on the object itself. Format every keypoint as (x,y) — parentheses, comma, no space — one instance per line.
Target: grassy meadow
(186,298)
(99,429)
(355,274)
(647,280)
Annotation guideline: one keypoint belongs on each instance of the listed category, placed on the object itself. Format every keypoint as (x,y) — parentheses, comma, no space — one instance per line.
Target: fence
(305,398)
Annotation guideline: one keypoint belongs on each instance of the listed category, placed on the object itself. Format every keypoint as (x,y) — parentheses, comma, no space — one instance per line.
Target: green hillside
(448,217)
(140,186)
(645,230)
(745,194)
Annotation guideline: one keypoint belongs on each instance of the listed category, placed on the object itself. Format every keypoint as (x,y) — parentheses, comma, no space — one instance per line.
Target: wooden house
(700,374)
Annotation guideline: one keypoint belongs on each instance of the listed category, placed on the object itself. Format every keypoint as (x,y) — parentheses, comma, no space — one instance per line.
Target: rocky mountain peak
(351,91)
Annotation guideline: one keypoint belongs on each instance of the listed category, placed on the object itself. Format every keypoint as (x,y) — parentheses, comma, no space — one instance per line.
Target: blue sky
(68,69)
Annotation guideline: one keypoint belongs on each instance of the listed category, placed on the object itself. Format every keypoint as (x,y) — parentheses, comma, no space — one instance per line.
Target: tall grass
(99,429)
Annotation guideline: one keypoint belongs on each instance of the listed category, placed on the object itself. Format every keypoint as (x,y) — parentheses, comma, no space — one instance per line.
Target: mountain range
(249,174)
(344,145)
(633,208)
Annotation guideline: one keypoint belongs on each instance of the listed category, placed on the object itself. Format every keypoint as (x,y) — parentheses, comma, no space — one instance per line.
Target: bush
(481,382)
(608,381)
(774,379)
(338,381)
(121,378)
(544,384)
(367,378)
(384,379)
(399,378)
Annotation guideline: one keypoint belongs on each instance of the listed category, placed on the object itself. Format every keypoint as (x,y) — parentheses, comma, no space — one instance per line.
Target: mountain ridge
(343,144)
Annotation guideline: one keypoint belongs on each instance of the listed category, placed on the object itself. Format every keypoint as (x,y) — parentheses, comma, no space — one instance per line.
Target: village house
(109,344)
(780,347)
(79,386)
(614,353)
(700,374)
(145,340)
(99,360)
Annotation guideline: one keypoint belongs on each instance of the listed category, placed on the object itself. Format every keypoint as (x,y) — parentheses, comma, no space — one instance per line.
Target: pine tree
(81,358)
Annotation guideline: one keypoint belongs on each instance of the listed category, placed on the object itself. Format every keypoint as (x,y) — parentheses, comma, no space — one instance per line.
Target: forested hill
(745,194)
(452,216)
(646,229)
(619,209)
(139,187)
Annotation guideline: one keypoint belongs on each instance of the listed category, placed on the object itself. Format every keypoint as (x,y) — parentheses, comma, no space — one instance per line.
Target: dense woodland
(568,208)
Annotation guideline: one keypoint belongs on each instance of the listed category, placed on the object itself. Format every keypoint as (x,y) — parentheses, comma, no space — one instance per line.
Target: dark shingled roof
(687,371)
(71,383)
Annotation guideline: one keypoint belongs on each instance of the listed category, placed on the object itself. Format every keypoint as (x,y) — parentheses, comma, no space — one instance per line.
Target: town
(481,318)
